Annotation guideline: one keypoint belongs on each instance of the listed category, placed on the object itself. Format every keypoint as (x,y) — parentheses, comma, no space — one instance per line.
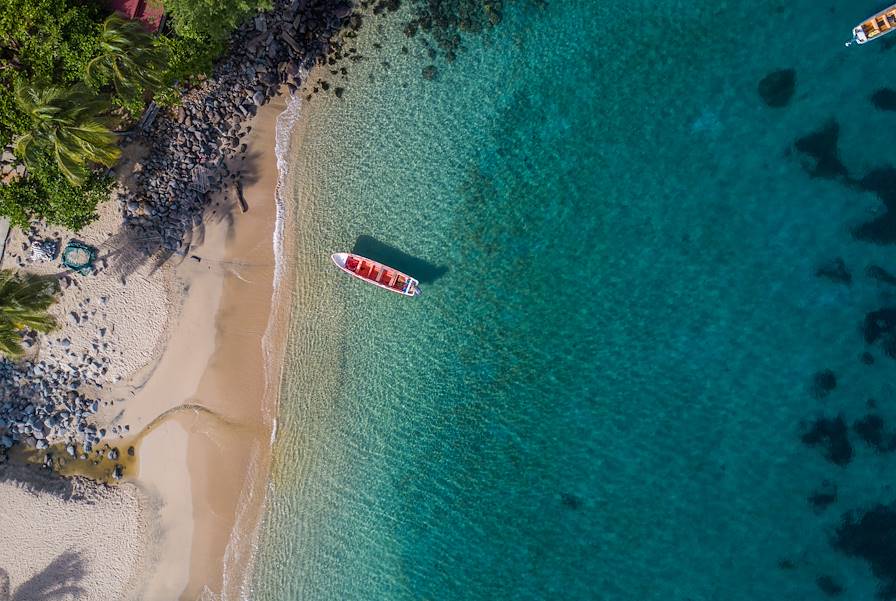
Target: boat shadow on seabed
(423,271)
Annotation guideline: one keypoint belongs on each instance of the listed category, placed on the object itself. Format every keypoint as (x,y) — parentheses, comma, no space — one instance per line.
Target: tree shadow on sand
(130,249)
(59,581)
(424,271)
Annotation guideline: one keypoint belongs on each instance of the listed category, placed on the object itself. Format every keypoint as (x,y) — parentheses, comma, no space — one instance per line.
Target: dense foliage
(42,39)
(212,18)
(69,71)
(68,126)
(46,194)
(24,300)
(127,60)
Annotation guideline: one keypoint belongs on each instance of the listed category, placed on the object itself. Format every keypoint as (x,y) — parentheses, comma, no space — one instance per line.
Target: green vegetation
(70,72)
(212,19)
(67,124)
(24,300)
(127,60)
(46,194)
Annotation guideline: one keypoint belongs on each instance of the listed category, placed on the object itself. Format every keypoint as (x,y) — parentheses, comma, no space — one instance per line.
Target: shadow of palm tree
(424,271)
(59,581)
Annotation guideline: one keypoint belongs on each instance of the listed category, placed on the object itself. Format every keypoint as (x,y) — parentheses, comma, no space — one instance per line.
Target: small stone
(74,318)
(118,472)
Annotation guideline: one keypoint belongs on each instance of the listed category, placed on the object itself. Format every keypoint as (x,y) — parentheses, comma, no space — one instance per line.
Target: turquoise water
(602,391)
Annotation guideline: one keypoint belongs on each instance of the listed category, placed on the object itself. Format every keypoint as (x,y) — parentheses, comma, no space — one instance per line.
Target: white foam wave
(286,121)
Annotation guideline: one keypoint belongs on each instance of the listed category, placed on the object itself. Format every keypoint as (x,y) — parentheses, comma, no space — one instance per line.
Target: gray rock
(74,318)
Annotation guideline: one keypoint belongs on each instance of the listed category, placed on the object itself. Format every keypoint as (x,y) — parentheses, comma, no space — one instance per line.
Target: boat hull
(875,26)
(409,286)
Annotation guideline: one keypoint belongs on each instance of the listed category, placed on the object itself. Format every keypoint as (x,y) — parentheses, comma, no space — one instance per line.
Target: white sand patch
(69,540)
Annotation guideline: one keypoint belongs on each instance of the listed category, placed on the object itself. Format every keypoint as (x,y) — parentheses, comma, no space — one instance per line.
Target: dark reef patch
(823,496)
(443,21)
(884,99)
(867,358)
(872,536)
(872,430)
(823,382)
(822,145)
(881,230)
(880,274)
(776,88)
(829,586)
(570,500)
(832,435)
(880,326)
(836,271)
(786,564)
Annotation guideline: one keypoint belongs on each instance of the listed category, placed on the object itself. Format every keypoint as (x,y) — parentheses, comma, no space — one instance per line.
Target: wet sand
(205,408)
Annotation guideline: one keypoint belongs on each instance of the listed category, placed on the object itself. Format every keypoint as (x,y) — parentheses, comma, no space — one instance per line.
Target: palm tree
(128,59)
(24,300)
(67,126)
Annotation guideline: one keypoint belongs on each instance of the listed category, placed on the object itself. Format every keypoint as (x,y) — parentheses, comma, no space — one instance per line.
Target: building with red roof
(148,12)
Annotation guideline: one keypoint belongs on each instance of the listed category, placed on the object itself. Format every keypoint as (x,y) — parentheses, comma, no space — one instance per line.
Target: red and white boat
(377,274)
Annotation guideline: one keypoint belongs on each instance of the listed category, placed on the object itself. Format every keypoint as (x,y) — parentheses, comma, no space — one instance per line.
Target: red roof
(148,12)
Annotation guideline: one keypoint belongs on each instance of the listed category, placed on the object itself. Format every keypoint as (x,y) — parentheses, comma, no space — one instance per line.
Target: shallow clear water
(602,390)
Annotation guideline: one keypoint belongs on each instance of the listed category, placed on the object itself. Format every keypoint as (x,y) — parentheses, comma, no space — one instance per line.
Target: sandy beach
(155,396)
(191,384)
(211,388)
(83,541)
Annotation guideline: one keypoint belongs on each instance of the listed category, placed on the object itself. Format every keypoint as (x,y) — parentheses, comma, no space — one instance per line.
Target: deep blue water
(636,273)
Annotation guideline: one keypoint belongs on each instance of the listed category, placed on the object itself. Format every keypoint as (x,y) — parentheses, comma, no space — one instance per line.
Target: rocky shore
(50,400)
(189,147)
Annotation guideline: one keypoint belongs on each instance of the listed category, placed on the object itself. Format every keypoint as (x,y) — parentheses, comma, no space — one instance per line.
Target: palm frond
(24,300)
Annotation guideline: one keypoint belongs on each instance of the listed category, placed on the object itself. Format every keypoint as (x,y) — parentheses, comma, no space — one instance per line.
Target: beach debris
(44,250)
(244,206)
(79,257)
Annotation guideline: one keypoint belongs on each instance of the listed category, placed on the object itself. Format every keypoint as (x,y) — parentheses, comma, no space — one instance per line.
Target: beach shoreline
(222,422)
(163,376)
(195,393)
